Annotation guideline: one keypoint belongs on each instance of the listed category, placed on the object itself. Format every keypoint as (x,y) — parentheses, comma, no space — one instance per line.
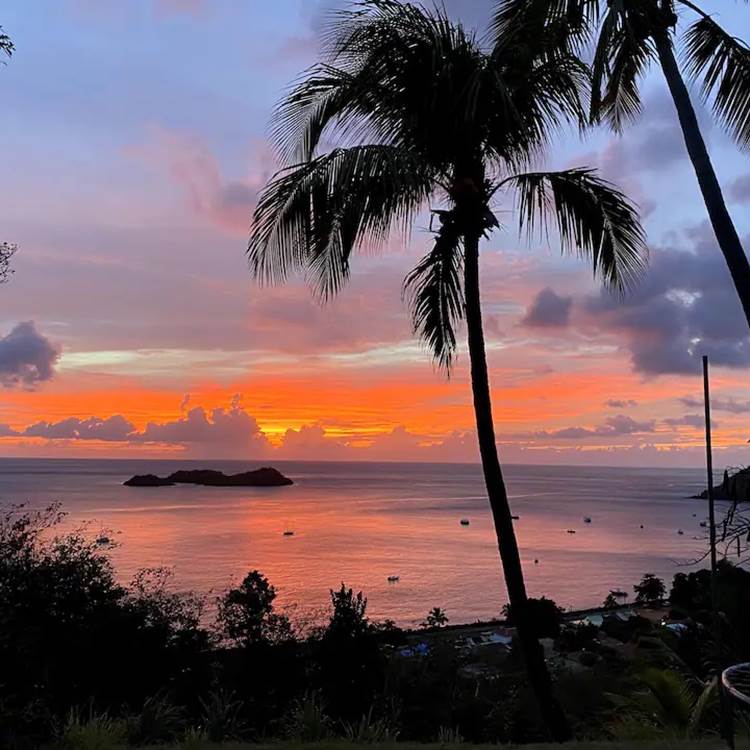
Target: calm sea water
(360,523)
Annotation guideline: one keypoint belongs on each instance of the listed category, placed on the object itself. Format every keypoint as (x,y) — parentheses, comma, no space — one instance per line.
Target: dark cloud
(719,404)
(739,190)
(614,426)
(616,403)
(111,429)
(690,420)
(27,357)
(548,310)
(684,306)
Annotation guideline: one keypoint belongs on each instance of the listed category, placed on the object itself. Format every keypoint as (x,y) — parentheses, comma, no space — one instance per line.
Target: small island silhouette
(263,477)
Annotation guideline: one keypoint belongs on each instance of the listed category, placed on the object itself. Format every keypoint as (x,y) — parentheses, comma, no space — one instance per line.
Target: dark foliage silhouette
(245,614)
(86,660)
(545,615)
(650,590)
(69,631)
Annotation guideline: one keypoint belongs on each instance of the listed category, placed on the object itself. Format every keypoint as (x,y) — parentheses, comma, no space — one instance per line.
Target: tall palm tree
(425,115)
(630,35)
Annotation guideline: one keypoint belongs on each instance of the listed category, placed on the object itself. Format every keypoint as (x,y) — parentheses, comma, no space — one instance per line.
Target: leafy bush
(159,721)
(93,732)
(69,632)
(650,590)
(544,616)
(369,730)
(308,721)
(245,614)
(221,716)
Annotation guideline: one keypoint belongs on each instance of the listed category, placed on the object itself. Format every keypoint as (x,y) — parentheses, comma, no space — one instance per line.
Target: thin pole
(725,705)
(710,477)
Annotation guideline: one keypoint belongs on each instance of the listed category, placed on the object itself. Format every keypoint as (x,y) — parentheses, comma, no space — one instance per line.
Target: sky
(133,144)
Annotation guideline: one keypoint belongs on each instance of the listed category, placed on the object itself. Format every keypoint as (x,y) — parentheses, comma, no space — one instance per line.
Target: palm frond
(435,294)
(569,22)
(623,52)
(393,73)
(311,217)
(722,62)
(540,80)
(6,43)
(704,706)
(593,218)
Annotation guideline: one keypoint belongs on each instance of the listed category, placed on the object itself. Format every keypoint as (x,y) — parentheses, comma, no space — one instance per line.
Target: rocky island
(734,487)
(264,477)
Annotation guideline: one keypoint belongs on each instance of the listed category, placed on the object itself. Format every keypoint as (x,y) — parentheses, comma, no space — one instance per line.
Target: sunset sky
(133,146)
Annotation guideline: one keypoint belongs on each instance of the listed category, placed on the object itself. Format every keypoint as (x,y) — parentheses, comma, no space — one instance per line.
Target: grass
(344,745)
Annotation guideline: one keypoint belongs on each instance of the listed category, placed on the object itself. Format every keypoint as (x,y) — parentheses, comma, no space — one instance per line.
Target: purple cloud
(684,306)
(112,429)
(729,405)
(614,426)
(689,420)
(739,190)
(548,310)
(232,425)
(616,403)
(27,358)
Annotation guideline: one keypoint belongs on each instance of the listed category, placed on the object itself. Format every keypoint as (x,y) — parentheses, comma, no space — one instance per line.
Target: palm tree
(631,34)
(426,114)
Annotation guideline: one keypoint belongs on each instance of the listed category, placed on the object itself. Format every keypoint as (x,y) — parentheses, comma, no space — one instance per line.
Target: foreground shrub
(544,615)
(222,717)
(308,721)
(94,732)
(159,721)
(69,632)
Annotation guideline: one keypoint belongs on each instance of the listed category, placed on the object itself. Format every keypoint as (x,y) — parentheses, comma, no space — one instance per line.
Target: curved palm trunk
(721,221)
(493,476)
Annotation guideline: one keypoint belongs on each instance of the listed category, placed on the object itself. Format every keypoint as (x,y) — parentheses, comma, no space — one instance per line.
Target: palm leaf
(435,293)
(722,62)
(534,61)
(570,22)
(6,43)
(393,73)
(705,705)
(623,52)
(310,217)
(593,218)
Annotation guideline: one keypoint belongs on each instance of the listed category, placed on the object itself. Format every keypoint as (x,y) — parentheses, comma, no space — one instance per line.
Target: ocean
(359,523)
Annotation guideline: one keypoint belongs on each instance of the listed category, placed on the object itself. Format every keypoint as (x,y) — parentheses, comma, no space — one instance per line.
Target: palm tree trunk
(536,667)
(721,221)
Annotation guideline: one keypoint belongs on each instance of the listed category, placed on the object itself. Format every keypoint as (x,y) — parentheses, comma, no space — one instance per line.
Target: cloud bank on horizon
(132,220)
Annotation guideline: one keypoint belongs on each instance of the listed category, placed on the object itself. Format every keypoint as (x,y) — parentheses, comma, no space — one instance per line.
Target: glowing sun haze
(133,149)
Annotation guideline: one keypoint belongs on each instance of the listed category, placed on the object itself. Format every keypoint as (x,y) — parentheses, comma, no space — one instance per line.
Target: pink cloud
(225,203)
(233,428)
